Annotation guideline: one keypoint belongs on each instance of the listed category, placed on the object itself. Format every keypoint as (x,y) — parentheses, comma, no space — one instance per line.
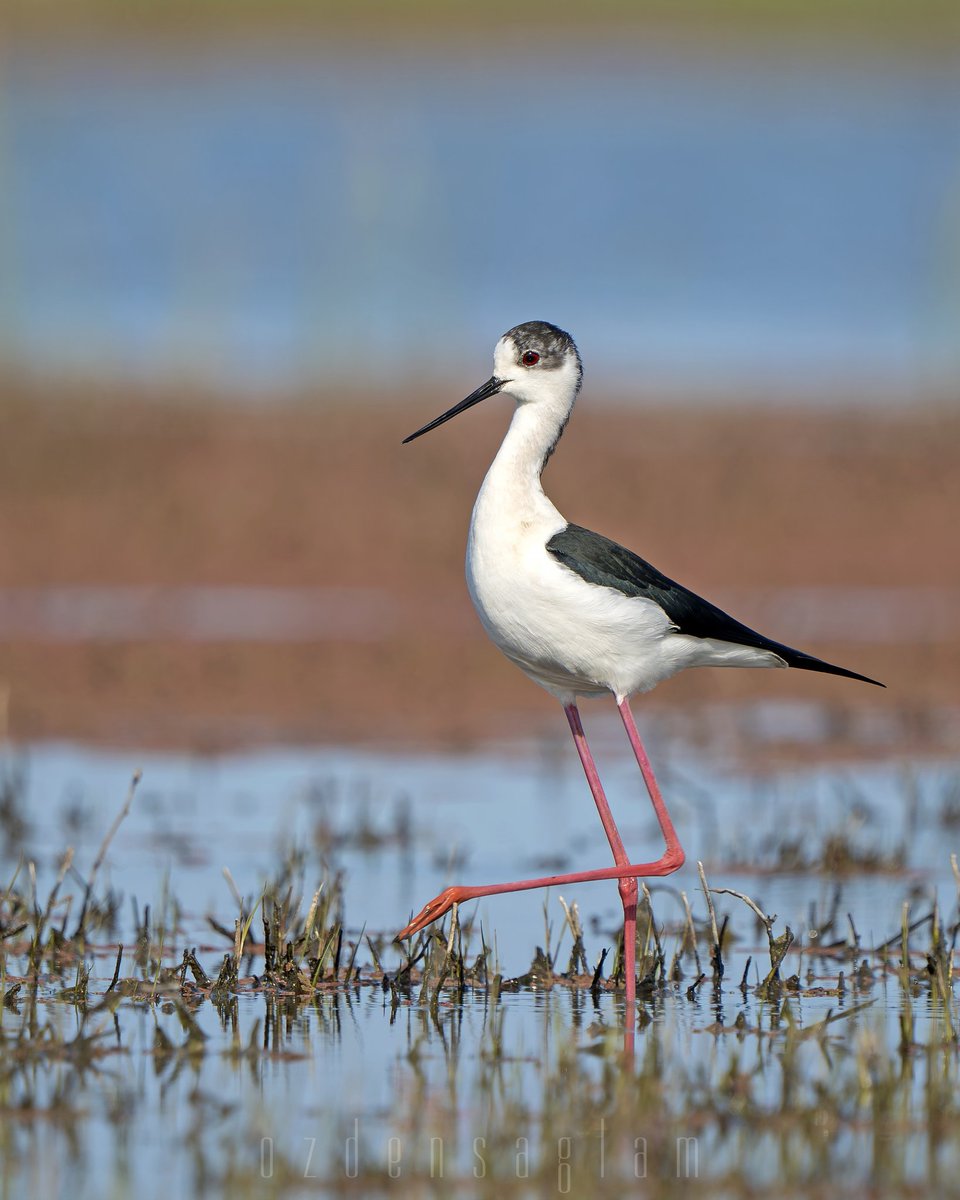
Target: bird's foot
(433,910)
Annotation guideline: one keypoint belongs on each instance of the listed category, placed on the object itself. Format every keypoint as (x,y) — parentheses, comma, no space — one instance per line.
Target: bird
(581,615)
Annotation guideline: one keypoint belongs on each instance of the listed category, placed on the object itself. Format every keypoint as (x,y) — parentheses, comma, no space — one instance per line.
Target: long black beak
(490,388)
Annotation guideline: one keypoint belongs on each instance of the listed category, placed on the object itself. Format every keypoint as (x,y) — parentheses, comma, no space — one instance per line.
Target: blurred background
(245,248)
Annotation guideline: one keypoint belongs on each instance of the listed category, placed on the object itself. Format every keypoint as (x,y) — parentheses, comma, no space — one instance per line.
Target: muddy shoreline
(168,490)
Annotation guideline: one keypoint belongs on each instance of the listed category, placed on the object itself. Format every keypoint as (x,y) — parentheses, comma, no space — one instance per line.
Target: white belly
(570,636)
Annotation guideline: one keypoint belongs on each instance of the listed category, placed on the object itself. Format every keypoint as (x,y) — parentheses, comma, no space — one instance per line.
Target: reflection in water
(255,1091)
(187,1072)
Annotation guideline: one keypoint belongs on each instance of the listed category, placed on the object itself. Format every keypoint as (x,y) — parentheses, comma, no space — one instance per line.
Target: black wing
(599,560)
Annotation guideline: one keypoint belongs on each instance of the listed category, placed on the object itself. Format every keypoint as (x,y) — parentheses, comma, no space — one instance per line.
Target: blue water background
(780,221)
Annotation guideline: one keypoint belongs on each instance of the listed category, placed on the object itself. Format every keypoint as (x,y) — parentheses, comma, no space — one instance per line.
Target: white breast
(570,636)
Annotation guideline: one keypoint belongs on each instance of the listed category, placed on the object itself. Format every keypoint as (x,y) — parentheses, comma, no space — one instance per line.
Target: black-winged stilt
(579,614)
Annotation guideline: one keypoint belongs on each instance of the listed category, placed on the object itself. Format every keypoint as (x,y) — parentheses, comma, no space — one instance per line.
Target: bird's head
(536,363)
(537,360)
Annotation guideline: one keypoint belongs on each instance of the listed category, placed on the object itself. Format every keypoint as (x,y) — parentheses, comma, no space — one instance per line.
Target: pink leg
(674,851)
(625,872)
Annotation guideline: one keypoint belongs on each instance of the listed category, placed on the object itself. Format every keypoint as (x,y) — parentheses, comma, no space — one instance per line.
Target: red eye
(530,358)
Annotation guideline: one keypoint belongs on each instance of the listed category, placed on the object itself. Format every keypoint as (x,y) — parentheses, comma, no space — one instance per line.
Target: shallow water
(403,826)
(266,1094)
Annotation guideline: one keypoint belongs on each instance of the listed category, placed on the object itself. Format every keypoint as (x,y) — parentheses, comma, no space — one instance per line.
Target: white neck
(512,486)
(529,441)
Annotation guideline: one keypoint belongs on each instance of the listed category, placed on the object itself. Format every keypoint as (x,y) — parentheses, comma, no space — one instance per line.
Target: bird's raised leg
(624,871)
(674,857)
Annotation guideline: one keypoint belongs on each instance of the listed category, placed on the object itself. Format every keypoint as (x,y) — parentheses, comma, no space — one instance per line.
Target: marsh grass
(764,1057)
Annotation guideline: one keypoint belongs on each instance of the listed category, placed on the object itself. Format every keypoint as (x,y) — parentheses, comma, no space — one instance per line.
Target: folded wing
(600,561)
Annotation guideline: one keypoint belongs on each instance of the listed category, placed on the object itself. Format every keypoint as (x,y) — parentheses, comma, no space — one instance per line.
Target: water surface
(256,1093)
(273,217)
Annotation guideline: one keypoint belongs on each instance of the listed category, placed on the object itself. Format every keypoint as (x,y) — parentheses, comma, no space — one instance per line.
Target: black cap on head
(551,343)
